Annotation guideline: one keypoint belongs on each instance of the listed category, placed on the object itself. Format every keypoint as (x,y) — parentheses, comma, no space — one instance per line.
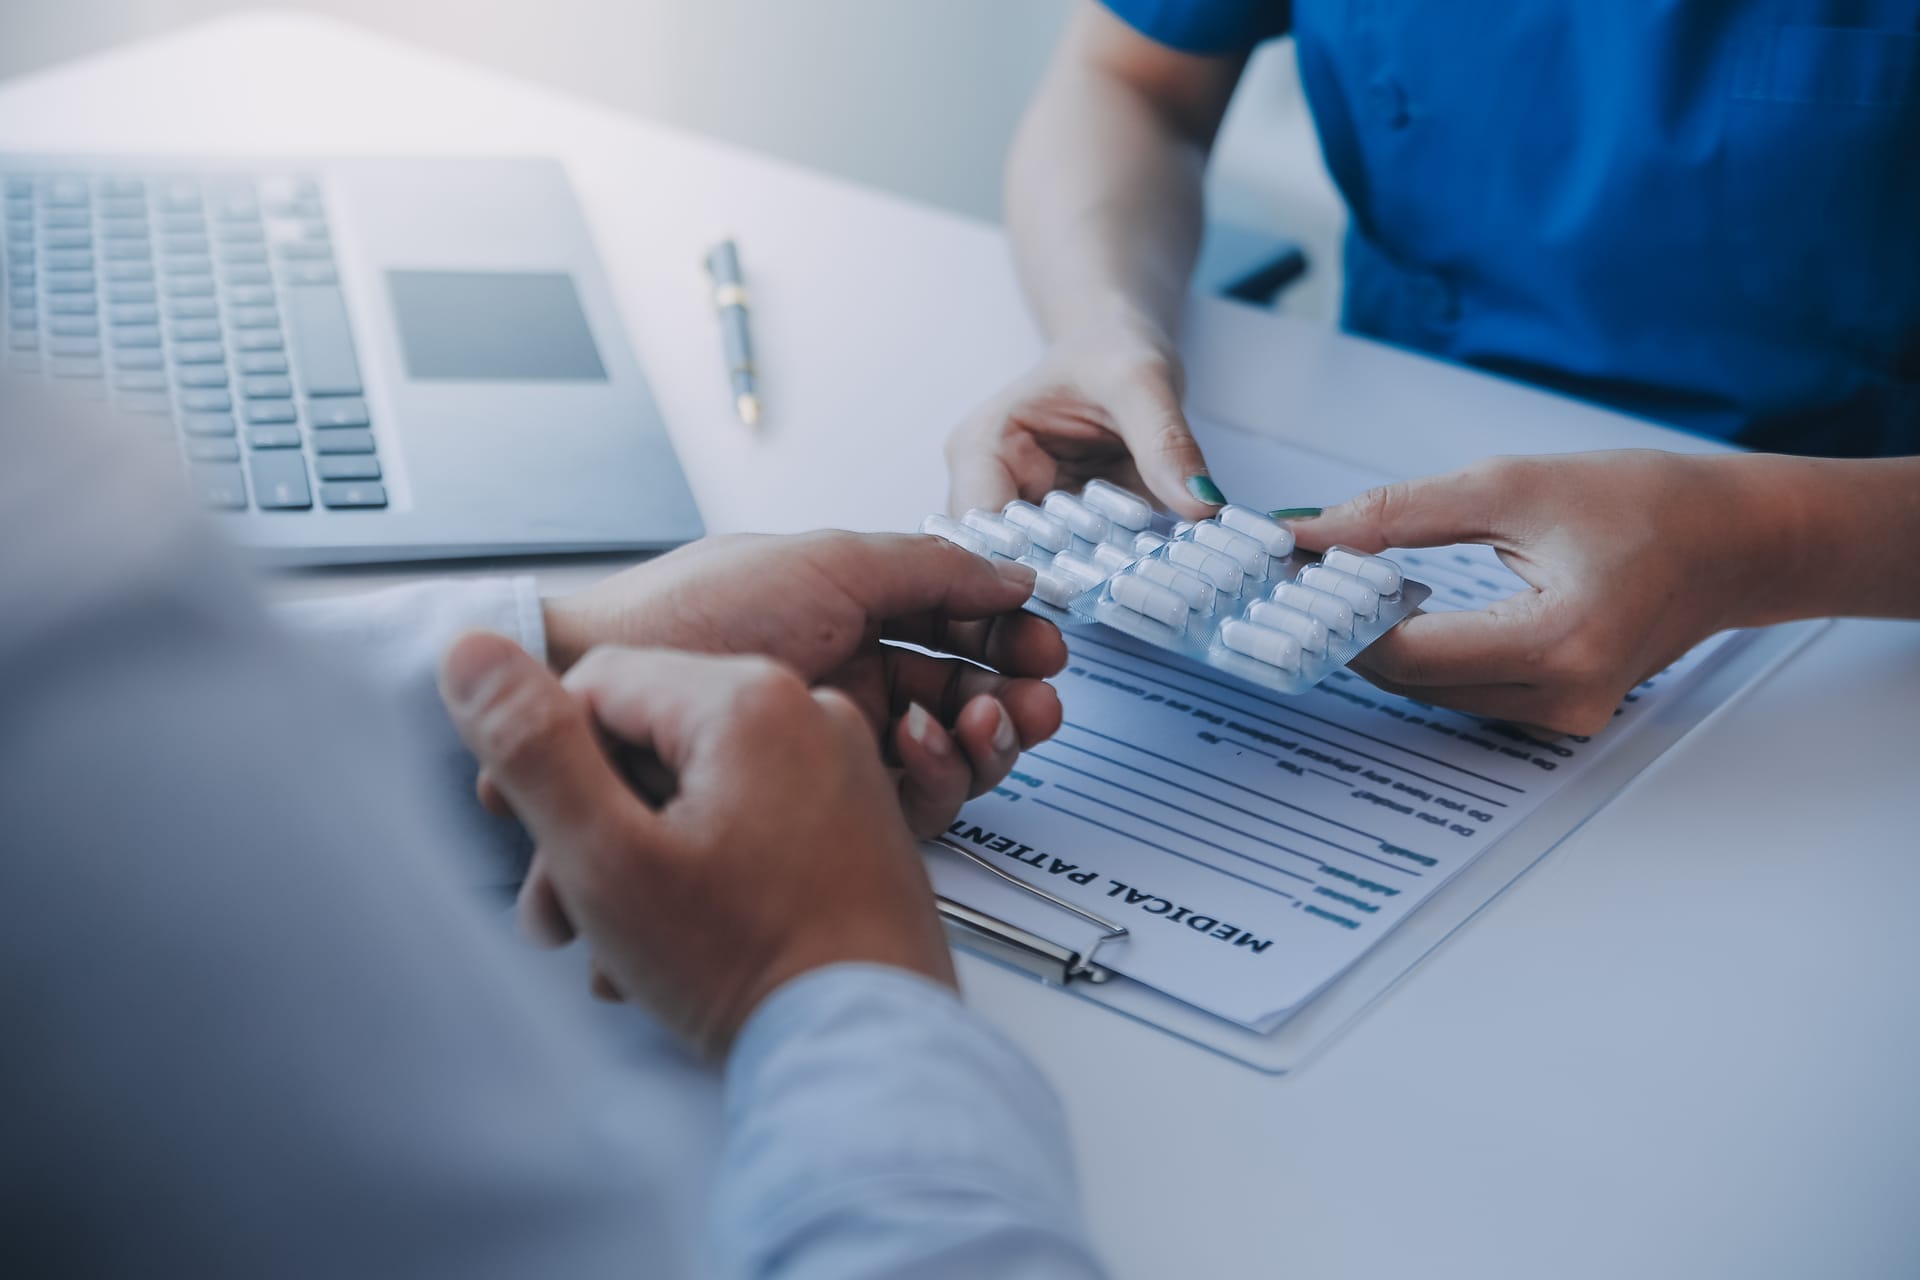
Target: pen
(730,300)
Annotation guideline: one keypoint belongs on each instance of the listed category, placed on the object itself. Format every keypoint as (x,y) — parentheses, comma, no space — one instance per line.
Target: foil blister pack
(1233,592)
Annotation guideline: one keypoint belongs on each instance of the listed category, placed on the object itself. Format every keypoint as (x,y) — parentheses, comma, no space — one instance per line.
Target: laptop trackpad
(493,326)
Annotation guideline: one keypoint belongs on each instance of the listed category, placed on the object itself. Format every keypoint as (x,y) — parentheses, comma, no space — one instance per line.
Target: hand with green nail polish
(1104,402)
(1630,558)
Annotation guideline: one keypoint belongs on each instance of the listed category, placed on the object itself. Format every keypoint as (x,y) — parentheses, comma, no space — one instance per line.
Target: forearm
(1104,187)
(1824,537)
(876,1128)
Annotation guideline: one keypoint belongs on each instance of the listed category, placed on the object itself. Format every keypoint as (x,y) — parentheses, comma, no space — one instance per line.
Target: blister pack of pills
(1231,591)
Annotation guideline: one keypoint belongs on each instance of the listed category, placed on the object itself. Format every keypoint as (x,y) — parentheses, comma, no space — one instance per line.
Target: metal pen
(730,301)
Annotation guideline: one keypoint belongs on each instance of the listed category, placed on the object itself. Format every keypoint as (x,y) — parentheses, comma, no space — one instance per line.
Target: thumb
(1147,415)
(532,738)
(1461,506)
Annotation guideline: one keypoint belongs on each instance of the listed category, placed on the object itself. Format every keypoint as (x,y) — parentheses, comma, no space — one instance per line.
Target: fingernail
(1295,513)
(1005,739)
(1202,487)
(469,664)
(1013,571)
(920,729)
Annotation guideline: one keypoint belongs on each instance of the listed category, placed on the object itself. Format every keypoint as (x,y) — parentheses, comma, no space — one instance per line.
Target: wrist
(1766,533)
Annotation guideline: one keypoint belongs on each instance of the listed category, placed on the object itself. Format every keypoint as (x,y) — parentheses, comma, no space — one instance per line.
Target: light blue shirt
(260,1022)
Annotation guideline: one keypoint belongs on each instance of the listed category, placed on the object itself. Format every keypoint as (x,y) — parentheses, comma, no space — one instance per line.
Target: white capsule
(1364,599)
(1275,537)
(1127,510)
(1378,572)
(1054,588)
(1045,530)
(1307,629)
(1112,558)
(997,533)
(943,527)
(1223,573)
(1332,610)
(1181,528)
(1245,552)
(1191,587)
(1147,541)
(1076,515)
(1150,598)
(1084,572)
(1275,648)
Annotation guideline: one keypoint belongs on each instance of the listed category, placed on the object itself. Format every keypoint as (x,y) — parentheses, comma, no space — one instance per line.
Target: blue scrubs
(1705,212)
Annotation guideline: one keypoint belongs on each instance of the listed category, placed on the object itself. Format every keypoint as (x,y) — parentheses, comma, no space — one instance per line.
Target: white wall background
(917,96)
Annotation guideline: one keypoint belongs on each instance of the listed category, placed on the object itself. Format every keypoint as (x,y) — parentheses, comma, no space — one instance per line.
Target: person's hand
(821,603)
(1632,557)
(777,846)
(1102,403)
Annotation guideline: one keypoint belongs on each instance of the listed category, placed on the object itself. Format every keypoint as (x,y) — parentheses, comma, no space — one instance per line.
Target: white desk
(1590,1081)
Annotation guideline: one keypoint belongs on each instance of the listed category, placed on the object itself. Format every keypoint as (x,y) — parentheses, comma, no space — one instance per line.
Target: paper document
(1255,846)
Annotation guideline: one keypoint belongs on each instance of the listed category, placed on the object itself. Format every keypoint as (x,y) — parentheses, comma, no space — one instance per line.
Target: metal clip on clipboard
(994,937)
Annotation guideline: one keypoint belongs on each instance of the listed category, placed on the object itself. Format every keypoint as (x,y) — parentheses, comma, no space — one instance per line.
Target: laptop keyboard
(210,305)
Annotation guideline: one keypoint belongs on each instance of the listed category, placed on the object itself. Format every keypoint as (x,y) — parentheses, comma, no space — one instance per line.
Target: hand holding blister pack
(1232,592)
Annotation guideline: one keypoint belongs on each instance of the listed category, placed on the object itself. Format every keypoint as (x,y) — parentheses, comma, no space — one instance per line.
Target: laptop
(361,360)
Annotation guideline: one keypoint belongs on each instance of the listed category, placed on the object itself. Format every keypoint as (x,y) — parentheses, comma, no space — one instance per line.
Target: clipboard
(1746,659)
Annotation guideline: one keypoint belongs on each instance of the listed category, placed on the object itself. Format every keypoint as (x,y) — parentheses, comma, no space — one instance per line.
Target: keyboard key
(183,224)
(76,368)
(194,330)
(126,251)
(19,255)
(213,450)
(153,402)
(192,308)
(17,187)
(343,440)
(68,193)
(68,240)
(207,424)
(355,495)
(280,480)
(305,251)
(70,260)
(221,487)
(121,187)
(23,362)
(195,245)
(123,209)
(242,233)
(138,358)
(74,347)
(250,295)
(24,340)
(267,388)
(137,335)
(74,327)
(254,318)
(273,437)
(243,255)
(134,313)
(22,297)
(180,196)
(192,264)
(358,466)
(306,209)
(131,294)
(269,411)
(257,340)
(248,276)
(124,229)
(69,282)
(190,287)
(141,380)
(199,353)
(24,319)
(337,413)
(201,375)
(237,208)
(310,273)
(323,341)
(206,400)
(133,275)
(72,304)
(262,362)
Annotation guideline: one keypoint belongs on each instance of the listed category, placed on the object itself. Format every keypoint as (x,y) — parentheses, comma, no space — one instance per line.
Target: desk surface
(1590,1080)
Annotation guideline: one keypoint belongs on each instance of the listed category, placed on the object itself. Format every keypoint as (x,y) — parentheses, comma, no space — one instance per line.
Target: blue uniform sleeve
(1208,27)
(878,1128)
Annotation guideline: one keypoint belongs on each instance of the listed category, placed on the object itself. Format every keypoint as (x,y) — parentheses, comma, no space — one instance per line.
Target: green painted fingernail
(1203,488)
(1295,513)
